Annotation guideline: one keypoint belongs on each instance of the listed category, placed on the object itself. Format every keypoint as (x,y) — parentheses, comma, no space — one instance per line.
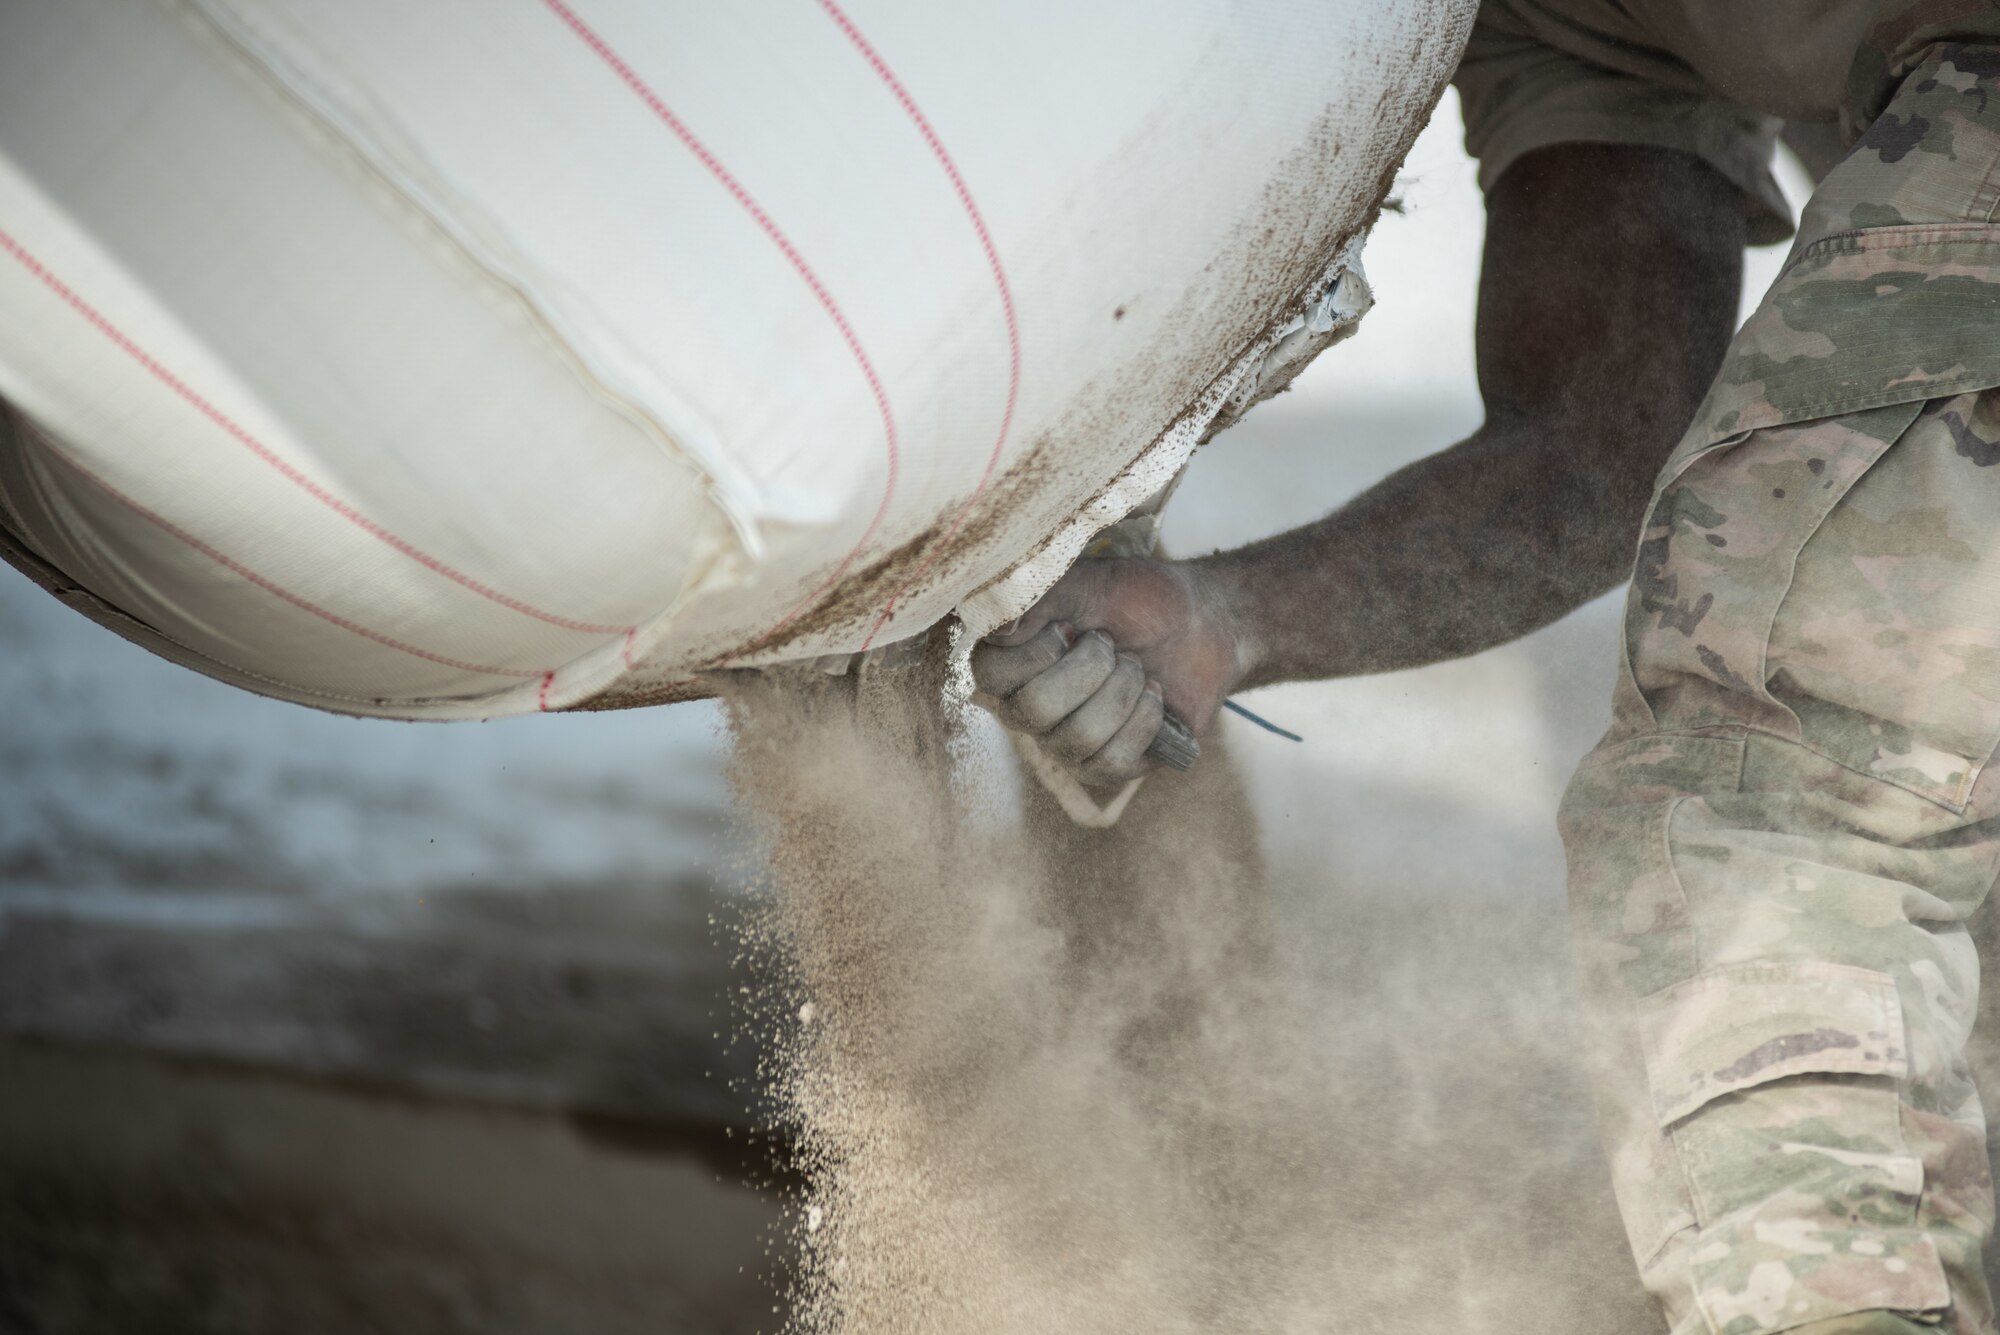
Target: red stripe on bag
(272,586)
(665,114)
(124,343)
(916,115)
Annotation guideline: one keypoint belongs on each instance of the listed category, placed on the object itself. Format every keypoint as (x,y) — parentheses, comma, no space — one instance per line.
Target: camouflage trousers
(1775,849)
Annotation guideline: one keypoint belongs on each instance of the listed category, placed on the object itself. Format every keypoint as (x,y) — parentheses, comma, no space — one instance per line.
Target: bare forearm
(1605,305)
(1458,552)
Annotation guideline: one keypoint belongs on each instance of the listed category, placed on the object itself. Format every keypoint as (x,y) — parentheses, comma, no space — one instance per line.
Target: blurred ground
(310,1023)
(147,1195)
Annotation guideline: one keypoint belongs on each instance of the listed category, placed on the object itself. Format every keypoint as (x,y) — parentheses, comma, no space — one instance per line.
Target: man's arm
(1607,297)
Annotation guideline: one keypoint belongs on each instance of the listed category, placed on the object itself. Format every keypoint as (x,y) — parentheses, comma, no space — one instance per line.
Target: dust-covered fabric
(1775,849)
(1519,91)
(1901,39)
(1715,78)
(1892,290)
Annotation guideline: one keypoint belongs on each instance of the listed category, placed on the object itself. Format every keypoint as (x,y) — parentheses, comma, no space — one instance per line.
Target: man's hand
(1090,669)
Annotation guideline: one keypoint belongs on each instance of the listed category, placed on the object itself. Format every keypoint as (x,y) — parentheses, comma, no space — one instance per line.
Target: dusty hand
(1091,668)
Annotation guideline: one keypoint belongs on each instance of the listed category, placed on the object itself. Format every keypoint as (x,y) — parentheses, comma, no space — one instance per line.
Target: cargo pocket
(1777,1084)
(1719,554)
(1886,648)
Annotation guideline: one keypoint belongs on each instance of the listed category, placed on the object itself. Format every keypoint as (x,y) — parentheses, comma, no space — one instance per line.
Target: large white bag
(456,358)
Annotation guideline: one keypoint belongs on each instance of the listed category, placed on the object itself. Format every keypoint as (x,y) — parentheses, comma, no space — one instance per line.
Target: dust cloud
(1048,1079)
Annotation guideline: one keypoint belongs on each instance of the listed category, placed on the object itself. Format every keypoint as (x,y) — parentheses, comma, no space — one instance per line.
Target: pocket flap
(1863,320)
(1746,1024)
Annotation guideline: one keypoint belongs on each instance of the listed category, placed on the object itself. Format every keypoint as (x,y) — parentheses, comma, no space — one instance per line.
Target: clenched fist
(1092,668)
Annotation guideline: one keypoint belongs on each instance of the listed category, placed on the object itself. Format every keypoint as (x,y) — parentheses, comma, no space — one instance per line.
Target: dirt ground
(141,1195)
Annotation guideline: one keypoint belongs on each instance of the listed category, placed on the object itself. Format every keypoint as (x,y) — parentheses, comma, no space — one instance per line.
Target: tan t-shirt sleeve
(1519,94)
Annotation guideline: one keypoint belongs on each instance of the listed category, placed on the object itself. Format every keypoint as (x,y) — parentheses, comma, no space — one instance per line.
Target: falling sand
(1049,1079)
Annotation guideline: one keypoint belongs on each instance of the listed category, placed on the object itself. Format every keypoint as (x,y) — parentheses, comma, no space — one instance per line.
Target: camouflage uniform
(1774,850)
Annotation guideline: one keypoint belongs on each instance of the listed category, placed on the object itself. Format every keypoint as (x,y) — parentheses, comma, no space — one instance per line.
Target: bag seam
(1863,240)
